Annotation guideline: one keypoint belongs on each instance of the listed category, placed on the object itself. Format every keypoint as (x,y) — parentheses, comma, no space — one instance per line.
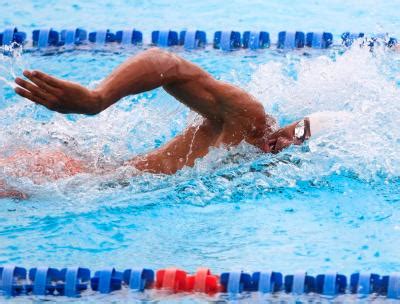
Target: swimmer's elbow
(165,64)
(156,52)
(163,58)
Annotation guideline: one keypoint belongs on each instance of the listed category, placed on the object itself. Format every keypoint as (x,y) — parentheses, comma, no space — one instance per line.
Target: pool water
(331,204)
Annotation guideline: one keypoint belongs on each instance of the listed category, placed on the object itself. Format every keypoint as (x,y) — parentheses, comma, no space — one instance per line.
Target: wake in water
(364,143)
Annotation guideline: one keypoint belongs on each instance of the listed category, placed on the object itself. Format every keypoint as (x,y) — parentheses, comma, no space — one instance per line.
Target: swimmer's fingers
(42,84)
(29,95)
(34,90)
(24,93)
(49,80)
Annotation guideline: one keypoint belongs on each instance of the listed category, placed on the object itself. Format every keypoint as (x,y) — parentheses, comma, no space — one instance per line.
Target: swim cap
(321,121)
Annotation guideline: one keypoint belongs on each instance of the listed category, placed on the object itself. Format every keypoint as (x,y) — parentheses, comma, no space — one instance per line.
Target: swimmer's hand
(5,192)
(58,95)
(13,194)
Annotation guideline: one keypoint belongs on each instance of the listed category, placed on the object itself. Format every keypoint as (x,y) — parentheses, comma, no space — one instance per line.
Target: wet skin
(230,115)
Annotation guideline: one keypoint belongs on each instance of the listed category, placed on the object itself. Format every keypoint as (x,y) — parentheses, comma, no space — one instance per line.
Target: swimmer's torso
(183,150)
(196,140)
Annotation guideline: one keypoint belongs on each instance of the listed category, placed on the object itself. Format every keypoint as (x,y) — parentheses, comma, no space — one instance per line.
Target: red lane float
(203,281)
(177,280)
(172,279)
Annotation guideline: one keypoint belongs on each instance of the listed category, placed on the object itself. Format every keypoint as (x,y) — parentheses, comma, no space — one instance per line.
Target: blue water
(332,204)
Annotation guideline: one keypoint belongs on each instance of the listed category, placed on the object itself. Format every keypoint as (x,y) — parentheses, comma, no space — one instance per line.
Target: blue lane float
(267,281)
(256,40)
(70,37)
(236,282)
(44,281)
(12,280)
(7,37)
(102,37)
(227,40)
(193,39)
(391,286)
(189,39)
(76,280)
(365,283)
(138,279)
(106,281)
(290,40)
(44,38)
(319,40)
(164,38)
(330,284)
(299,283)
(129,37)
(12,35)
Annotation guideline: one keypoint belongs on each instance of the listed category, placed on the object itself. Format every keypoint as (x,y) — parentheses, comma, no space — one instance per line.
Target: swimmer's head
(293,134)
(313,125)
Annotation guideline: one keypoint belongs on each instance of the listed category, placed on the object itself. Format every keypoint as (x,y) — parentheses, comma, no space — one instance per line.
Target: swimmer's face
(293,134)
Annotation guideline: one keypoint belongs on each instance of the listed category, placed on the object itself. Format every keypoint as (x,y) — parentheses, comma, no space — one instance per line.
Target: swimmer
(230,115)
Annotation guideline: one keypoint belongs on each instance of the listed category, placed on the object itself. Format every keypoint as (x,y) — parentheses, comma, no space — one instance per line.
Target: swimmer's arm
(154,68)
(148,70)
(187,82)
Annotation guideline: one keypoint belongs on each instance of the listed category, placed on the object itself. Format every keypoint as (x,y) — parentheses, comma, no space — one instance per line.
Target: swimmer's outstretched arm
(154,68)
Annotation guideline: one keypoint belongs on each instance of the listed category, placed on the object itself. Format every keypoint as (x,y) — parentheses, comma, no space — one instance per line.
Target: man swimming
(230,115)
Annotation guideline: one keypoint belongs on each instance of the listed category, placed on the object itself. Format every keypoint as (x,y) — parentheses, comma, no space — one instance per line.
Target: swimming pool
(331,204)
